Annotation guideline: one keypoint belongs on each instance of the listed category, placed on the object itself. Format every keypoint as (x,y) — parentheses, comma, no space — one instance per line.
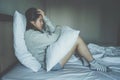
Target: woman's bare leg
(67,57)
(82,49)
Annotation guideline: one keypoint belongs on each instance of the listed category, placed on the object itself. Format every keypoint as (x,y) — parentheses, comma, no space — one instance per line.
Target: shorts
(57,67)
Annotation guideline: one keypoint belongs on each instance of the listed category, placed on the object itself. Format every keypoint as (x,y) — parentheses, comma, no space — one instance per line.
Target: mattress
(73,70)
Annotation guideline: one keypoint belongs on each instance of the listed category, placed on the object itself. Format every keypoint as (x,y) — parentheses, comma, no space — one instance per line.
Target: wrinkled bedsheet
(73,70)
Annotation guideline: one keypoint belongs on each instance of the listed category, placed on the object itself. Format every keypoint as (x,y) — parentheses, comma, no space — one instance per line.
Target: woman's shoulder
(31,31)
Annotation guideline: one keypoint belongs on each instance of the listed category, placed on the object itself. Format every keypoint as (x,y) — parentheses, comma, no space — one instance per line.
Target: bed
(73,70)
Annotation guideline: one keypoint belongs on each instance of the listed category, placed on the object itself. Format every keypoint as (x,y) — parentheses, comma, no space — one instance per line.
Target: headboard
(7,57)
(5,17)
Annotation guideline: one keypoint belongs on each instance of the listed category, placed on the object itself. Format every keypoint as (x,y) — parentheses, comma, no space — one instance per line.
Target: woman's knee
(79,39)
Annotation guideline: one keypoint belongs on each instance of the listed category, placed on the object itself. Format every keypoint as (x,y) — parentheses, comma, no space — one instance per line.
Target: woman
(39,39)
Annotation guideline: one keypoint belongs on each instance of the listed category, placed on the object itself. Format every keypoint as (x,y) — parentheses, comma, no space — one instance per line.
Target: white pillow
(61,47)
(21,52)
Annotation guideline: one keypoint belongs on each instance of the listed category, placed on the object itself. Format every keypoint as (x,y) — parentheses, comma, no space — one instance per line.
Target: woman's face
(38,23)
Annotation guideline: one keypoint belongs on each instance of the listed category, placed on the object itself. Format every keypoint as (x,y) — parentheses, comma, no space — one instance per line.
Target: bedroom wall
(119,36)
(98,20)
(110,21)
(9,6)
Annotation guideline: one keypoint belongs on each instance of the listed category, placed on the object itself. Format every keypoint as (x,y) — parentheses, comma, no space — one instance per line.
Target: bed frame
(5,17)
(7,57)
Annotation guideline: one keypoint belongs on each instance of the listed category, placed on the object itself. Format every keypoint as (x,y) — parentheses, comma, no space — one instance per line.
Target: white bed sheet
(72,71)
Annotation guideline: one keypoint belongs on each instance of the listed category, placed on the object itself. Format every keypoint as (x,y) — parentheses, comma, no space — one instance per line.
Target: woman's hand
(41,12)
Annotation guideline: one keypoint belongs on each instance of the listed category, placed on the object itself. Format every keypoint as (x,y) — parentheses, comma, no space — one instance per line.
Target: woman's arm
(49,24)
(43,38)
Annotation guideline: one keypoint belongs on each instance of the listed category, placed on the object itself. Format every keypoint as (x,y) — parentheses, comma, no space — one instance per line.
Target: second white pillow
(21,52)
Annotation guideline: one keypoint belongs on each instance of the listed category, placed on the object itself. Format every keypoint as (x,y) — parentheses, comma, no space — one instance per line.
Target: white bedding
(57,50)
(73,70)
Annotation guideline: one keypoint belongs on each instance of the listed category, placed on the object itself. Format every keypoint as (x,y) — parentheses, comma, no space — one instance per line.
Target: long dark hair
(31,15)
